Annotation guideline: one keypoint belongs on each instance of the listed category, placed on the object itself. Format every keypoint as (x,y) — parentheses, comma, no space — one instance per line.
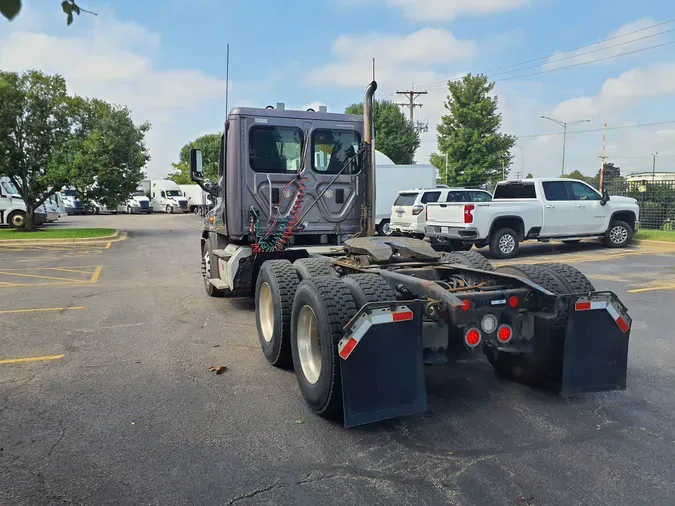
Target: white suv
(408,216)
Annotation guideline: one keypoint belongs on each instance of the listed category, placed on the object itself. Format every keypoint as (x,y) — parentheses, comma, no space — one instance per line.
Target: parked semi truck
(198,200)
(13,208)
(165,196)
(357,316)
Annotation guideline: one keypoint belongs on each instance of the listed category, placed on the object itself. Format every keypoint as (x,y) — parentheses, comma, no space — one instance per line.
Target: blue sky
(166,60)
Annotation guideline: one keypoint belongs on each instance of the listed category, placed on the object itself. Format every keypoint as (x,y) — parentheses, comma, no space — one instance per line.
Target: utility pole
(602,167)
(654,166)
(446,169)
(564,125)
(411,95)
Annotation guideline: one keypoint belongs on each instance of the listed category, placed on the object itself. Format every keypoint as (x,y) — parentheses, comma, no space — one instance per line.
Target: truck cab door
(559,211)
(592,216)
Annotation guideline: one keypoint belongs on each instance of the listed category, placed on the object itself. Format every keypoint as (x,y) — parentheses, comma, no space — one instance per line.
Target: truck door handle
(550,207)
(580,205)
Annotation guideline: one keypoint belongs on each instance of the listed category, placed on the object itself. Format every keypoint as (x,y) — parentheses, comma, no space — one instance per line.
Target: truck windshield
(9,188)
(330,149)
(139,193)
(69,193)
(173,193)
(515,191)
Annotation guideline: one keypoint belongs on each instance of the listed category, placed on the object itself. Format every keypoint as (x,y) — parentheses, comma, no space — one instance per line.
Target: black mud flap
(596,344)
(381,363)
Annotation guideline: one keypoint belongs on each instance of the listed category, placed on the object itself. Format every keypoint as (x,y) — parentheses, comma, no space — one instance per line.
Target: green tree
(612,175)
(34,129)
(529,176)
(394,135)
(210,147)
(576,174)
(11,8)
(469,135)
(106,152)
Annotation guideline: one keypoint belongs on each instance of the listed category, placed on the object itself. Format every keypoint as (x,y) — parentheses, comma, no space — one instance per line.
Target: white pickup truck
(537,209)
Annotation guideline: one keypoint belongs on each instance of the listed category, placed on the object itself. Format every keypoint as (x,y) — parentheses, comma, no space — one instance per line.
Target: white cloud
(622,40)
(447,10)
(394,55)
(616,93)
(111,60)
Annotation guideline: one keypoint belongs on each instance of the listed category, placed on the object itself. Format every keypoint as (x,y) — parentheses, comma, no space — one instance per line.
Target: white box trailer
(392,179)
(198,202)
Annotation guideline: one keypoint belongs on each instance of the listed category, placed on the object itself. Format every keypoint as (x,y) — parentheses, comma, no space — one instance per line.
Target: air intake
(281,106)
(323,108)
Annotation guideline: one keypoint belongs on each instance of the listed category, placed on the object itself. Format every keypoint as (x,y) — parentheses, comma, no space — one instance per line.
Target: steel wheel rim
(618,234)
(18,220)
(266,312)
(309,346)
(386,229)
(507,244)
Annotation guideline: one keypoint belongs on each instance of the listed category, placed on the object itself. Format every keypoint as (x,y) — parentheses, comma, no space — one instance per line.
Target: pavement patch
(42,276)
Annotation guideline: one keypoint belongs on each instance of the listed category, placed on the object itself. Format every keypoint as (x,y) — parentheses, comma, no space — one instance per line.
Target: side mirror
(196,165)
(605,197)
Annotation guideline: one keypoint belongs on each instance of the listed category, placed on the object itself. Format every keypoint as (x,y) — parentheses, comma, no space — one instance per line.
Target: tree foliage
(209,144)
(11,8)
(576,174)
(529,176)
(105,153)
(34,127)
(394,135)
(469,134)
(49,140)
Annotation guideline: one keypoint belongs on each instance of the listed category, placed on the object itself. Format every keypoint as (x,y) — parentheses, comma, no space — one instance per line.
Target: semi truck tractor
(358,316)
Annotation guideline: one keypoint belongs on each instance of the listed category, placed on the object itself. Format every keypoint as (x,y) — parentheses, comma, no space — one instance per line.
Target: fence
(655,198)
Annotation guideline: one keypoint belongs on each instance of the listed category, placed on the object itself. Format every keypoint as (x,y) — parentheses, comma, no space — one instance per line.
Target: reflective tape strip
(586,304)
(377,317)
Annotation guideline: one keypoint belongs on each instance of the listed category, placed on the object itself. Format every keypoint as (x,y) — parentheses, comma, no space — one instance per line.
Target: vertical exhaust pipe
(369,139)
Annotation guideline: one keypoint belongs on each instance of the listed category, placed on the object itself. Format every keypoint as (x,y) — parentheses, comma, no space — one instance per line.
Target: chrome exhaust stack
(369,139)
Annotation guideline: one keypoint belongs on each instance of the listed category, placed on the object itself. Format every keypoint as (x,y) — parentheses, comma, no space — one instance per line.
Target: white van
(166,195)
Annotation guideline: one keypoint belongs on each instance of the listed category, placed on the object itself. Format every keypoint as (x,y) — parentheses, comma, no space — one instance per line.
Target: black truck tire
(472,259)
(274,292)
(573,279)
(367,288)
(504,243)
(383,229)
(325,305)
(543,363)
(17,219)
(618,234)
(210,270)
(313,267)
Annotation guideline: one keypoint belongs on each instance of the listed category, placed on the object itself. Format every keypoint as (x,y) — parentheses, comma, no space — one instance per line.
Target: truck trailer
(358,316)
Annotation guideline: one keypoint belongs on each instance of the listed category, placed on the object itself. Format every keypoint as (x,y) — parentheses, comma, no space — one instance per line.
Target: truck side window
(456,197)
(163,194)
(555,190)
(515,191)
(481,197)
(330,149)
(275,150)
(430,197)
(580,191)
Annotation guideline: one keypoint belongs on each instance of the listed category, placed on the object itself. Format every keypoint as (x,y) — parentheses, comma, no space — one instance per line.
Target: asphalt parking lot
(106,396)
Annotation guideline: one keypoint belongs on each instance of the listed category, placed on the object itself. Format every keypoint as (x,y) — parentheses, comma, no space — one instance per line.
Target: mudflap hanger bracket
(596,344)
(381,363)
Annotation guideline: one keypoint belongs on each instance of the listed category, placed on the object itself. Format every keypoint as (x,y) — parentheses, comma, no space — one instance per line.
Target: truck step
(219,284)
(222,253)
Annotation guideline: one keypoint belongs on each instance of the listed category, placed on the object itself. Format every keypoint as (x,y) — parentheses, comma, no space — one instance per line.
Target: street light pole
(564,125)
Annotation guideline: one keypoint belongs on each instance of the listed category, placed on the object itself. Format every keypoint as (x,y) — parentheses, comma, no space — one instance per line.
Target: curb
(116,237)
(651,241)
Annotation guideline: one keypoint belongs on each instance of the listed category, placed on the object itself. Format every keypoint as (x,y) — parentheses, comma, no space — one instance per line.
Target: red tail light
(472,338)
(466,305)
(417,210)
(513,301)
(504,334)
(468,213)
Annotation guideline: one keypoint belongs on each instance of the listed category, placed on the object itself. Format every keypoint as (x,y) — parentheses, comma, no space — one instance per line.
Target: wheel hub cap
(309,346)
(618,234)
(507,243)
(266,312)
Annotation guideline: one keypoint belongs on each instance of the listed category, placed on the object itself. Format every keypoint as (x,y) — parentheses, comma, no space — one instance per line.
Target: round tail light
(472,337)
(504,334)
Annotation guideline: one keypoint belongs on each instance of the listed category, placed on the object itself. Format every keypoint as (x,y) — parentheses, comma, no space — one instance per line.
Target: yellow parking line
(652,289)
(30,359)
(97,273)
(42,309)
(69,270)
(107,246)
(39,277)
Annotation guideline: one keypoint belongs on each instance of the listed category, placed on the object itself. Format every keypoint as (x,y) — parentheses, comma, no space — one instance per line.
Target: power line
(436,83)
(590,130)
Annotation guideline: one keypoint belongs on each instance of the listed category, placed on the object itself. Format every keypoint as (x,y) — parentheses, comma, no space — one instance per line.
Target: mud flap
(596,344)
(381,363)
